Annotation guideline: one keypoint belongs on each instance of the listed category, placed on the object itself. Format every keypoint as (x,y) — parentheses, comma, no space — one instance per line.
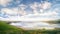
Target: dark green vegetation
(9,29)
(53,21)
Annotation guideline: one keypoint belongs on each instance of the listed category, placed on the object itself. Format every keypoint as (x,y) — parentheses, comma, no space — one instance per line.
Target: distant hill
(53,21)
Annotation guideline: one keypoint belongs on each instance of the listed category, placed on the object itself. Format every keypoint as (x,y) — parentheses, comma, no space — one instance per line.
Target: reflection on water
(35,25)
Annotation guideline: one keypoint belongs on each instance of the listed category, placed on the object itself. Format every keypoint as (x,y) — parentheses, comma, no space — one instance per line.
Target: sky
(29,10)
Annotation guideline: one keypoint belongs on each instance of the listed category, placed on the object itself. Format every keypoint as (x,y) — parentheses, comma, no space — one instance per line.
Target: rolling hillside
(9,29)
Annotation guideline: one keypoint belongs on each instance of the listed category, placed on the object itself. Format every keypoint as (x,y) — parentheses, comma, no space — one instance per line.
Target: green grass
(4,27)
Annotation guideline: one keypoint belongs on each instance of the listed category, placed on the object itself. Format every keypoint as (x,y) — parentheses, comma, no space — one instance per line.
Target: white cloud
(51,15)
(9,11)
(34,7)
(41,6)
(7,2)
(21,9)
(14,11)
(30,17)
(14,18)
(45,5)
(4,2)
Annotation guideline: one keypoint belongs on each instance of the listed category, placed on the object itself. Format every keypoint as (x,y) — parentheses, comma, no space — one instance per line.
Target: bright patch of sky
(28,9)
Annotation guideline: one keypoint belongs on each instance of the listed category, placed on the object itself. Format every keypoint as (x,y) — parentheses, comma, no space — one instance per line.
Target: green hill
(9,29)
(4,27)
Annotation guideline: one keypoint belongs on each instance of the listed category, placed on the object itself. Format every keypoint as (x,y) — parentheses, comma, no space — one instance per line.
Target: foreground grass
(9,29)
(4,27)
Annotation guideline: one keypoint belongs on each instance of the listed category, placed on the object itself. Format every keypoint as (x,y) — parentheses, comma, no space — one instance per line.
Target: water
(35,25)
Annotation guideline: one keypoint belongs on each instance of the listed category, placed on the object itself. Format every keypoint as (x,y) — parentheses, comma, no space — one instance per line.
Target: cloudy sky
(29,9)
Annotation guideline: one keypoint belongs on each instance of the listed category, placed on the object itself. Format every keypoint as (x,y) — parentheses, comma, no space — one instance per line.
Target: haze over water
(35,25)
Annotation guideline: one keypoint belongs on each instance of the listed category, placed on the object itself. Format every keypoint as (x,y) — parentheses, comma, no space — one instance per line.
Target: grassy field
(9,29)
(6,28)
